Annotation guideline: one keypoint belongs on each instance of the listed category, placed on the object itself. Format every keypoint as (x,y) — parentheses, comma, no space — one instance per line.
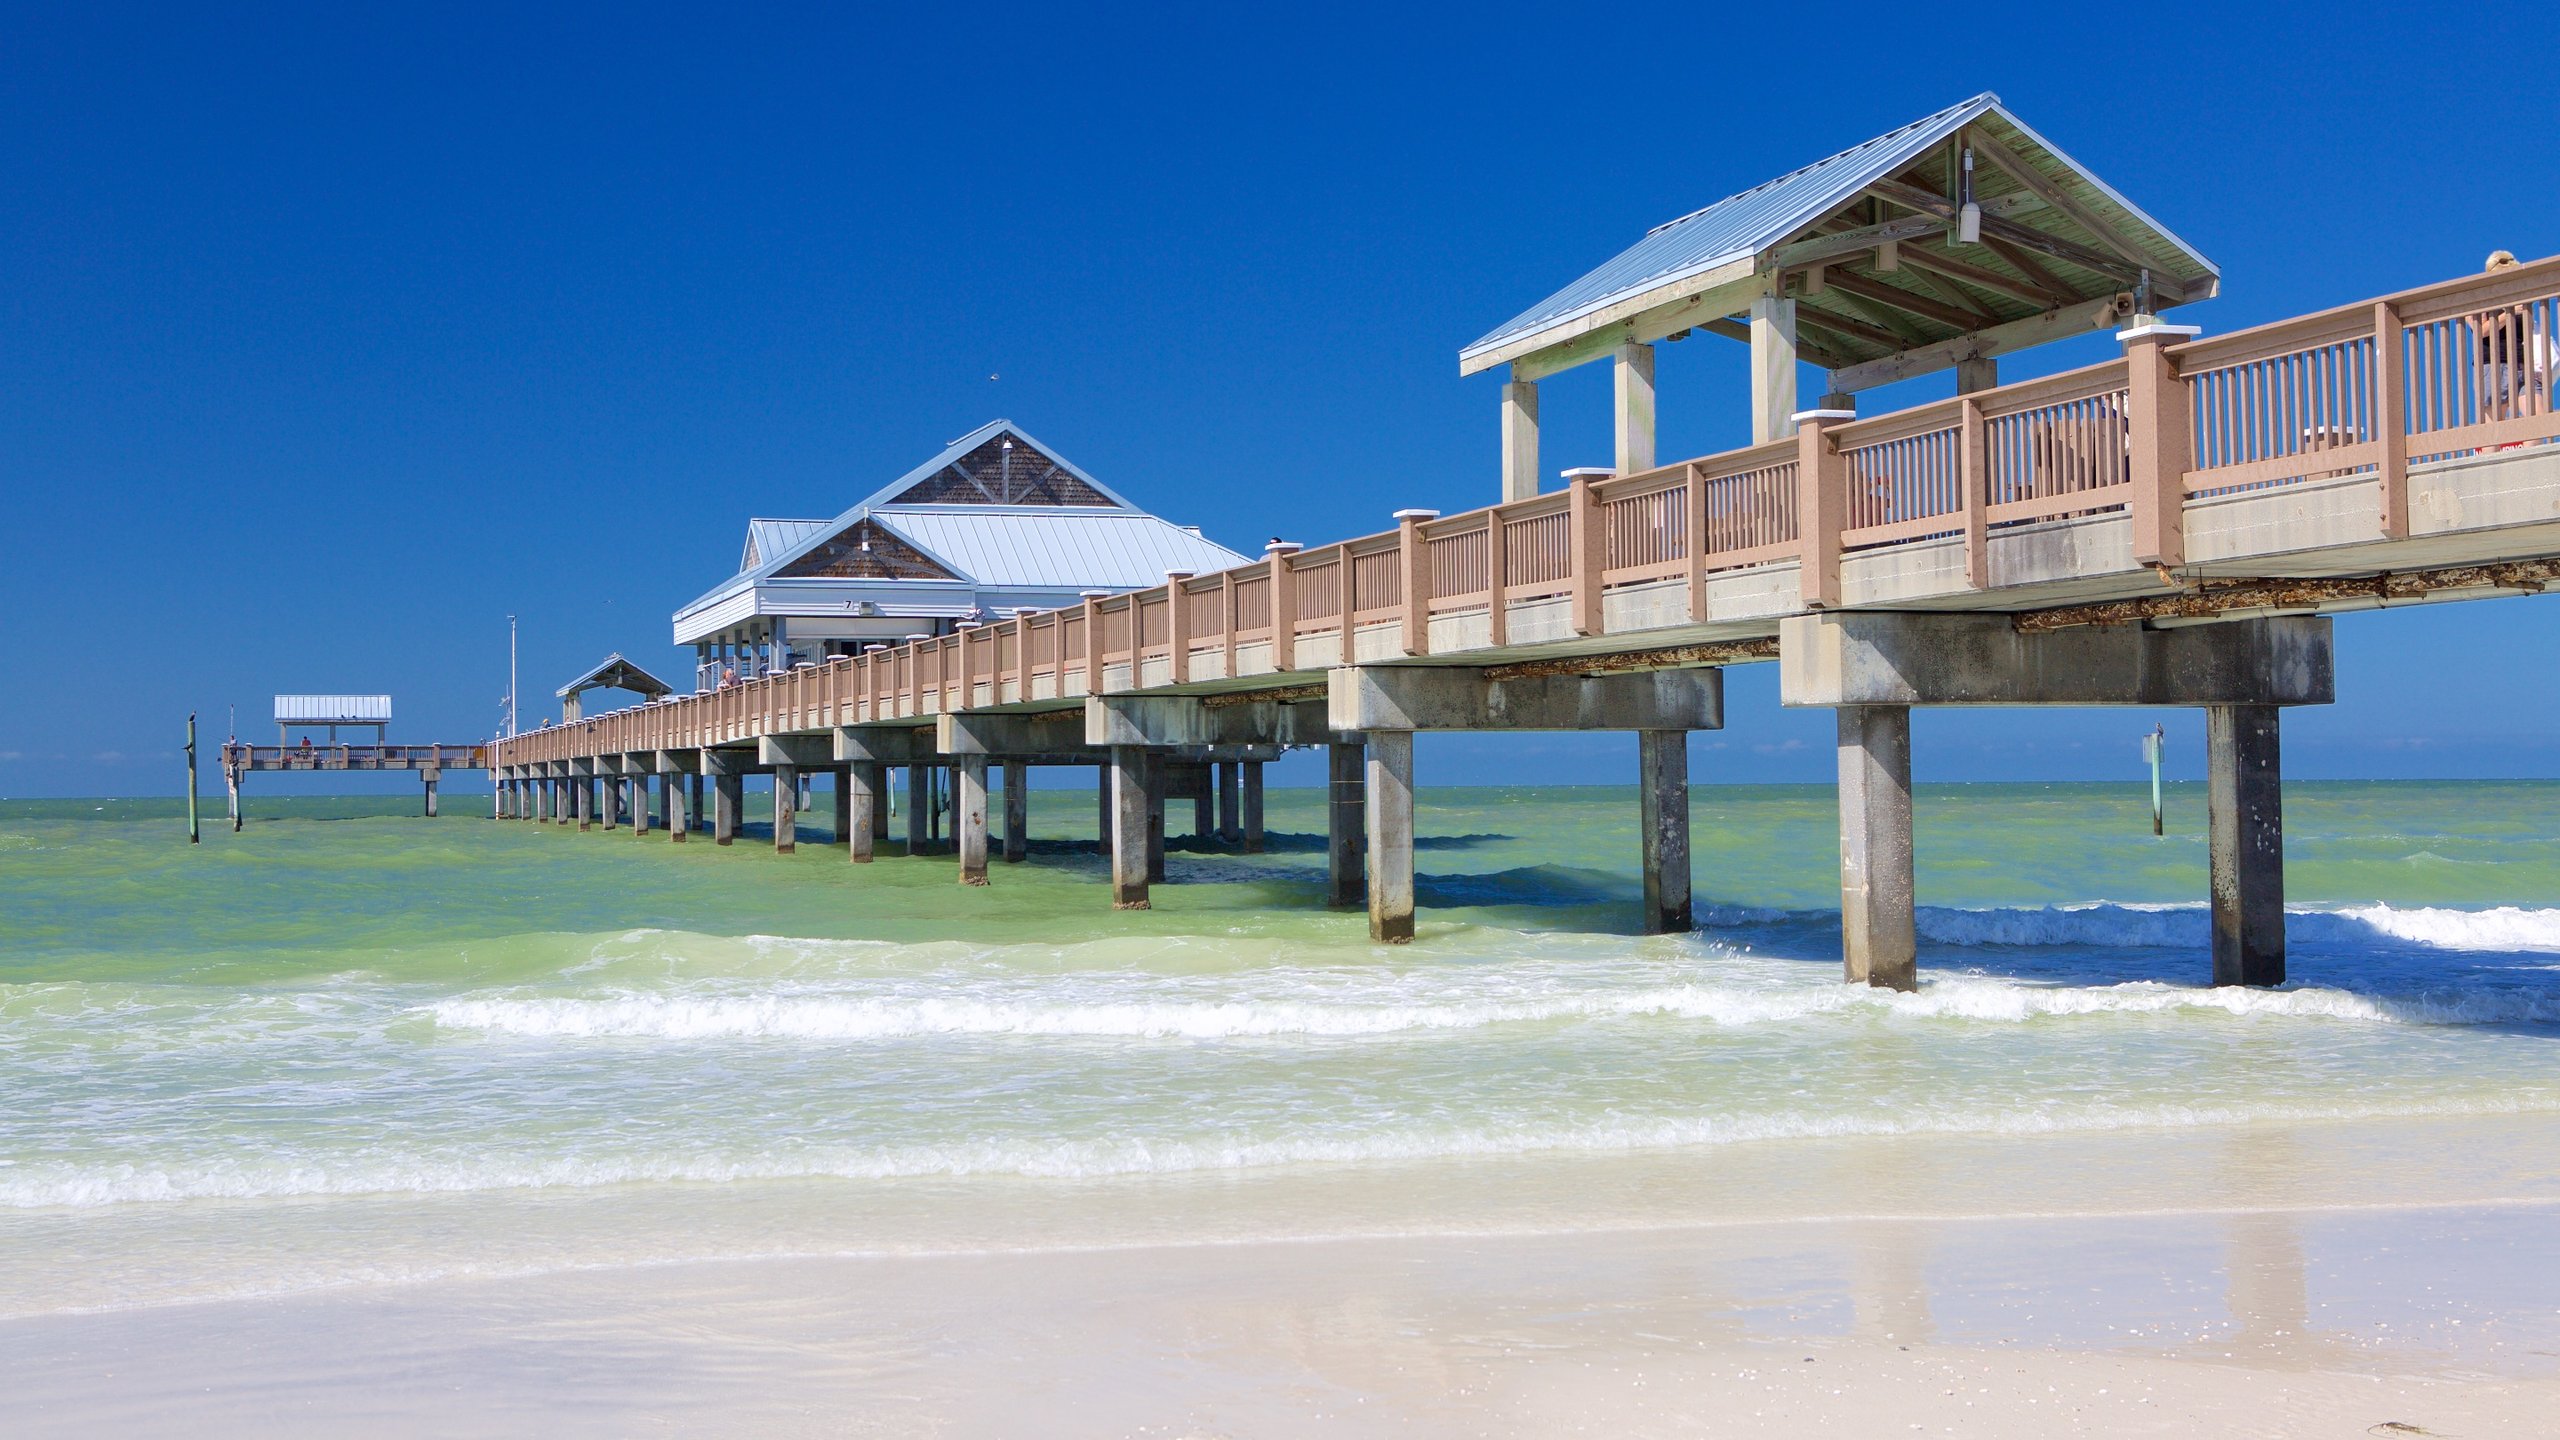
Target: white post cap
(1802,416)
(1403,515)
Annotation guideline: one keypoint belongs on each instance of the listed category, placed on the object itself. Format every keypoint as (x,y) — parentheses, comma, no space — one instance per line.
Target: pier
(428,762)
(1931,556)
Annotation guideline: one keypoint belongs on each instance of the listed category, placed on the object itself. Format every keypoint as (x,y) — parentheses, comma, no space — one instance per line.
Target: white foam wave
(2115,925)
(1096,1159)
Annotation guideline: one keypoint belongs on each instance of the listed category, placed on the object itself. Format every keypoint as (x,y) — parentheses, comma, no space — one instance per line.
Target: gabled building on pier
(997,522)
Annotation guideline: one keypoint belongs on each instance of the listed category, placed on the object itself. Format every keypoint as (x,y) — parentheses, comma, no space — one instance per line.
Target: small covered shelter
(1942,245)
(613,673)
(332,713)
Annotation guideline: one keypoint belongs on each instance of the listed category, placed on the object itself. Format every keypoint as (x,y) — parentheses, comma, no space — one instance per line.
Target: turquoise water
(345,1004)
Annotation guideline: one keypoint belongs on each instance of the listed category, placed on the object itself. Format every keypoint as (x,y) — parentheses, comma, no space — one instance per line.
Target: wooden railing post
(1416,587)
(1587,532)
(1227,619)
(1973,472)
(1497,579)
(1693,500)
(2391,419)
(1177,626)
(1822,504)
(1284,606)
(2159,442)
(1021,653)
(1092,640)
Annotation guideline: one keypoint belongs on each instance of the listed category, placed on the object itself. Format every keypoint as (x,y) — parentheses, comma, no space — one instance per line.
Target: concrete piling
(1128,793)
(1346,824)
(428,778)
(919,807)
(2245,808)
(728,797)
(1017,811)
(1662,802)
(1252,806)
(1158,774)
(1878,931)
(862,783)
(1230,802)
(969,818)
(639,804)
(786,809)
(1390,832)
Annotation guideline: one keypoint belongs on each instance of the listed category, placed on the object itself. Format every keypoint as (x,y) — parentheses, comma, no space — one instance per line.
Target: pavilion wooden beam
(1831,245)
(1824,356)
(1950,291)
(2076,318)
(2059,198)
(1852,329)
(1939,263)
(2027,265)
(1885,315)
(1904,300)
(1995,227)
(1645,327)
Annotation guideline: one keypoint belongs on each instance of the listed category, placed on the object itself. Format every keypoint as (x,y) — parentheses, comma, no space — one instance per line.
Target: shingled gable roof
(1742,229)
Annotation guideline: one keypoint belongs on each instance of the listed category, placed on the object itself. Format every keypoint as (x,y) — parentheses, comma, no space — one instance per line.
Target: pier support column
(1102,787)
(584,787)
(1158,772)
(786,809)
(1017,811)
(1662,804)
(2245,807)
(1204,805)
(427,778)
(1346,824)
(862,786)
(672,787)
(919,807)
(693,799)
(879,801)
(843,786)
(1390,829)
(608,798)
(969,817)
(1253,807)
(1128,793)
(728,797)
(1878,933)
(1230,803)
(231,792)
(639,805)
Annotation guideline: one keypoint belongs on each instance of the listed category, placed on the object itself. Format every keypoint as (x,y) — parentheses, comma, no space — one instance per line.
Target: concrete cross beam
(800,752)
(1188,721)
(1875,657)
(911,744)
(1047,733)
(730,763)
(679,762)
(1435,697)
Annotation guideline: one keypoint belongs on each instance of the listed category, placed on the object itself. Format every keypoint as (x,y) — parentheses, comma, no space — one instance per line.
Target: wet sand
(2308,1322)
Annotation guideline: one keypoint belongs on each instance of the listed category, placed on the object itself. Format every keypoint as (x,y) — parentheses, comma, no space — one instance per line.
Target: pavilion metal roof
(616,673)
(1746,227)
(772,537)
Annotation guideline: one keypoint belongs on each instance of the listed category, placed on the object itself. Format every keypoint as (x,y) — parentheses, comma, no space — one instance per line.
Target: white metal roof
(1740,226)
(1067,548)
(334,709)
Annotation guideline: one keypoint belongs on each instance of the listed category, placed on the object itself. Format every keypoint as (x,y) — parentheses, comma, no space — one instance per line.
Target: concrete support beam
(969,818)
(693,799)
(1204,808)
(608,797)
(1058,734)
(1252,807)
(1128,838)
(841,783)
(786,809)
(1017,811)
(1185,721)
(862,783)
(2245,809)
(1230,802)
(428,778)
(886,745)
(1876,657)
(1157,775)
(1102,792)
(1519,439)
(800,752)
(1634,408)
(1390,828)
(729,797)
(1773,369)
(1346,824)
(679,813)
(919,808)
(1662,803)
(1878,933)
(1433,697)
(639,783)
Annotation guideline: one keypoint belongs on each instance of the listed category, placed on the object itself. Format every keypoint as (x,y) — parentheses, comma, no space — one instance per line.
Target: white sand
(2326,1322)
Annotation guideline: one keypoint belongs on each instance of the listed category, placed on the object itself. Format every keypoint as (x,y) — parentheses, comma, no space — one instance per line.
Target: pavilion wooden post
(2391,419)
(1519,438)
(1417,579)
(1284,606)
(1822,504)
(2159,442)
(1634,394)
(1773,369)
(1588,530)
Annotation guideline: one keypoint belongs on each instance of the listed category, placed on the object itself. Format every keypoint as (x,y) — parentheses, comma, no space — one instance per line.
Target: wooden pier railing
(2362,390)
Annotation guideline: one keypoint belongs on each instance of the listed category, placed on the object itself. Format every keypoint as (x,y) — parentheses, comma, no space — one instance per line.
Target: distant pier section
(327,715)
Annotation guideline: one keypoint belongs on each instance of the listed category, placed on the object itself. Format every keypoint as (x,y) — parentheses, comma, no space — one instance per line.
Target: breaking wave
(2507,928)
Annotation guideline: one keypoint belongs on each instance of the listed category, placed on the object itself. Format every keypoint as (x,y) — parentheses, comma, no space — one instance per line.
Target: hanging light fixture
(1969,216)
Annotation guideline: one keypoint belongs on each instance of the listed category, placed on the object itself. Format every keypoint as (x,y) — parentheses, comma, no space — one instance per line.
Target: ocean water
(348,1043)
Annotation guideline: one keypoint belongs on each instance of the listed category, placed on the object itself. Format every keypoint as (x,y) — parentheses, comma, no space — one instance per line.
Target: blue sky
(332,336)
